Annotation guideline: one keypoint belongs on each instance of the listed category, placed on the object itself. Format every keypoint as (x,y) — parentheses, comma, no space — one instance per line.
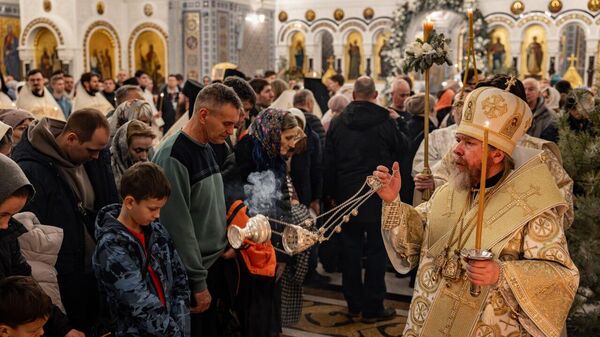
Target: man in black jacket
(67,165)
(15,191)
(362,136)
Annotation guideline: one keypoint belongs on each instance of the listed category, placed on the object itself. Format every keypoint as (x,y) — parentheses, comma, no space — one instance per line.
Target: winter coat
(55,203)
(307,169)
(120,264)
(545,124)
(40,245)
(12,263)
(362,137)
(315,124)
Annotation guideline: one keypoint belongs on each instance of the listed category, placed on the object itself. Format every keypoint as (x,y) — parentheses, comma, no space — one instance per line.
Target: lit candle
(482,186)
(427,28)
(470,16)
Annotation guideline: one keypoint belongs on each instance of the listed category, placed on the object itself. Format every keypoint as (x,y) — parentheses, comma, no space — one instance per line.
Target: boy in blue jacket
(138,270)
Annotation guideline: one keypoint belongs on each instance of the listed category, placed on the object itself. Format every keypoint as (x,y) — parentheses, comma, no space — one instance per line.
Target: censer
(296,238)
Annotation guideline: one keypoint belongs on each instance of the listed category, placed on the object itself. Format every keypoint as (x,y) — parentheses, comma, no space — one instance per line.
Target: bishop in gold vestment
(529,286)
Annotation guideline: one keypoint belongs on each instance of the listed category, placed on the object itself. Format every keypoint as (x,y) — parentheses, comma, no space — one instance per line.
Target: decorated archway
(148,52)
(102,49)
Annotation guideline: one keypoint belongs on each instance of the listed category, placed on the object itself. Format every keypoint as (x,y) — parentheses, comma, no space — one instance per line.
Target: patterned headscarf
(267,130)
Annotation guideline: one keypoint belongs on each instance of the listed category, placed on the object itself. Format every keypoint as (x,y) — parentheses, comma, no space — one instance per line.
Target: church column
(553,52)
(515,51)
(176,25)
(27,54)
(591,52)
(283,50)
(69,61)
(312,50)
(338,49)
(369,58)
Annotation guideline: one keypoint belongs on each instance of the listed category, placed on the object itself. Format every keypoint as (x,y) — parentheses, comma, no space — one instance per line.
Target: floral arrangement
(405,14)
(421,55)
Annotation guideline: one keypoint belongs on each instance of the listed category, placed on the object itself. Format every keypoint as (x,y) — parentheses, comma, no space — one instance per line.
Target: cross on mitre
(510,82)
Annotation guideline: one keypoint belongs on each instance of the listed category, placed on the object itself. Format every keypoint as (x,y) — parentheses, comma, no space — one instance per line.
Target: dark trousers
(216,322)
(254,302)
(79,295)
(358,238)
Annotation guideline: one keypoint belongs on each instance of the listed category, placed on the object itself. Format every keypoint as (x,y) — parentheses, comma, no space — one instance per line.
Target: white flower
(427,48)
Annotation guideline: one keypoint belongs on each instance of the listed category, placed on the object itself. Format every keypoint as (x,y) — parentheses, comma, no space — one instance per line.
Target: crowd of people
(129,191)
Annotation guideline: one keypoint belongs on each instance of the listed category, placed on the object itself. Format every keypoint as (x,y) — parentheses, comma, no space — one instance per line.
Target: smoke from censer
(262,192)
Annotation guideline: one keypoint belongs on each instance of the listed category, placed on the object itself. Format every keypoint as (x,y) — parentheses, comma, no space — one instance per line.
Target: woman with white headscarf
(552,98)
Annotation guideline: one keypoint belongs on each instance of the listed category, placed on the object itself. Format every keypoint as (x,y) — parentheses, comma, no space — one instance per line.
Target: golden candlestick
(470,55)
(484,156)
(472,43)
(427,28)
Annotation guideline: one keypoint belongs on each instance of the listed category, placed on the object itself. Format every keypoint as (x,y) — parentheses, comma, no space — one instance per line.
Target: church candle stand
(427,28)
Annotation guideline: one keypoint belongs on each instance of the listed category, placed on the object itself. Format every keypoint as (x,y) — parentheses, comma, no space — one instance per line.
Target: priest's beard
(464,177)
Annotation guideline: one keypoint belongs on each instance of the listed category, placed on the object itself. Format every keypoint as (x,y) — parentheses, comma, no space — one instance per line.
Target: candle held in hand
(484,156)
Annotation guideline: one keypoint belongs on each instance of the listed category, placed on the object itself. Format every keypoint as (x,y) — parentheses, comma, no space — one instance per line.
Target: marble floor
(324,311)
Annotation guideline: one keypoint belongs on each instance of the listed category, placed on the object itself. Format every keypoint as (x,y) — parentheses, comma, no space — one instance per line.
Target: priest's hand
(424,182)
(391,182)
(483,273)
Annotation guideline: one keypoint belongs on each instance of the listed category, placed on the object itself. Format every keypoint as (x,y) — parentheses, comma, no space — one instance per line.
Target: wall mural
(101,54)
(10,64)
(150,56)
(46,52)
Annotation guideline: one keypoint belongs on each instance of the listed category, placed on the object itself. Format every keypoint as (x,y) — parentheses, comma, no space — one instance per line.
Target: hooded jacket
(121,263)
(362,137)
(12,262)
(56,203)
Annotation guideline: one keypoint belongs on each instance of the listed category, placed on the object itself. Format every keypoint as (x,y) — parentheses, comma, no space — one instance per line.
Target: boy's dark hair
(22,301)
(241,88)
(563,87)
(337,78)
(270,73)
(145,180)
(258,84)
(140,73)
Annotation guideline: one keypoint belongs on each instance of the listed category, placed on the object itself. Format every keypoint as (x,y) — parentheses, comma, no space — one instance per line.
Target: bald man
(400,92)
(544,123)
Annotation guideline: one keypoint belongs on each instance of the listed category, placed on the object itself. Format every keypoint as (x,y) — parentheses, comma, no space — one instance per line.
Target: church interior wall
(496,12)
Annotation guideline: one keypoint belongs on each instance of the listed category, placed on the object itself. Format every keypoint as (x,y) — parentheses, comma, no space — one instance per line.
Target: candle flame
(486,124)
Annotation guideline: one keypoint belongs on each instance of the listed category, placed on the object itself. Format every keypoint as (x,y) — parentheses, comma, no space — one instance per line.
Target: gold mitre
(506,116)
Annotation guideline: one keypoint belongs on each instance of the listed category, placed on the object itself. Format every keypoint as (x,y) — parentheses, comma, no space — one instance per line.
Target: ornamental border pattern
(37,23)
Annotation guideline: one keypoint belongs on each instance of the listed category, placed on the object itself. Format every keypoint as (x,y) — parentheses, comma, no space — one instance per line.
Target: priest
(88,94)
(529,285)
(35,98)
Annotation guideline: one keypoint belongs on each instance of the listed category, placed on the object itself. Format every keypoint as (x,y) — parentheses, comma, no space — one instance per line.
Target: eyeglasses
(139,150)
